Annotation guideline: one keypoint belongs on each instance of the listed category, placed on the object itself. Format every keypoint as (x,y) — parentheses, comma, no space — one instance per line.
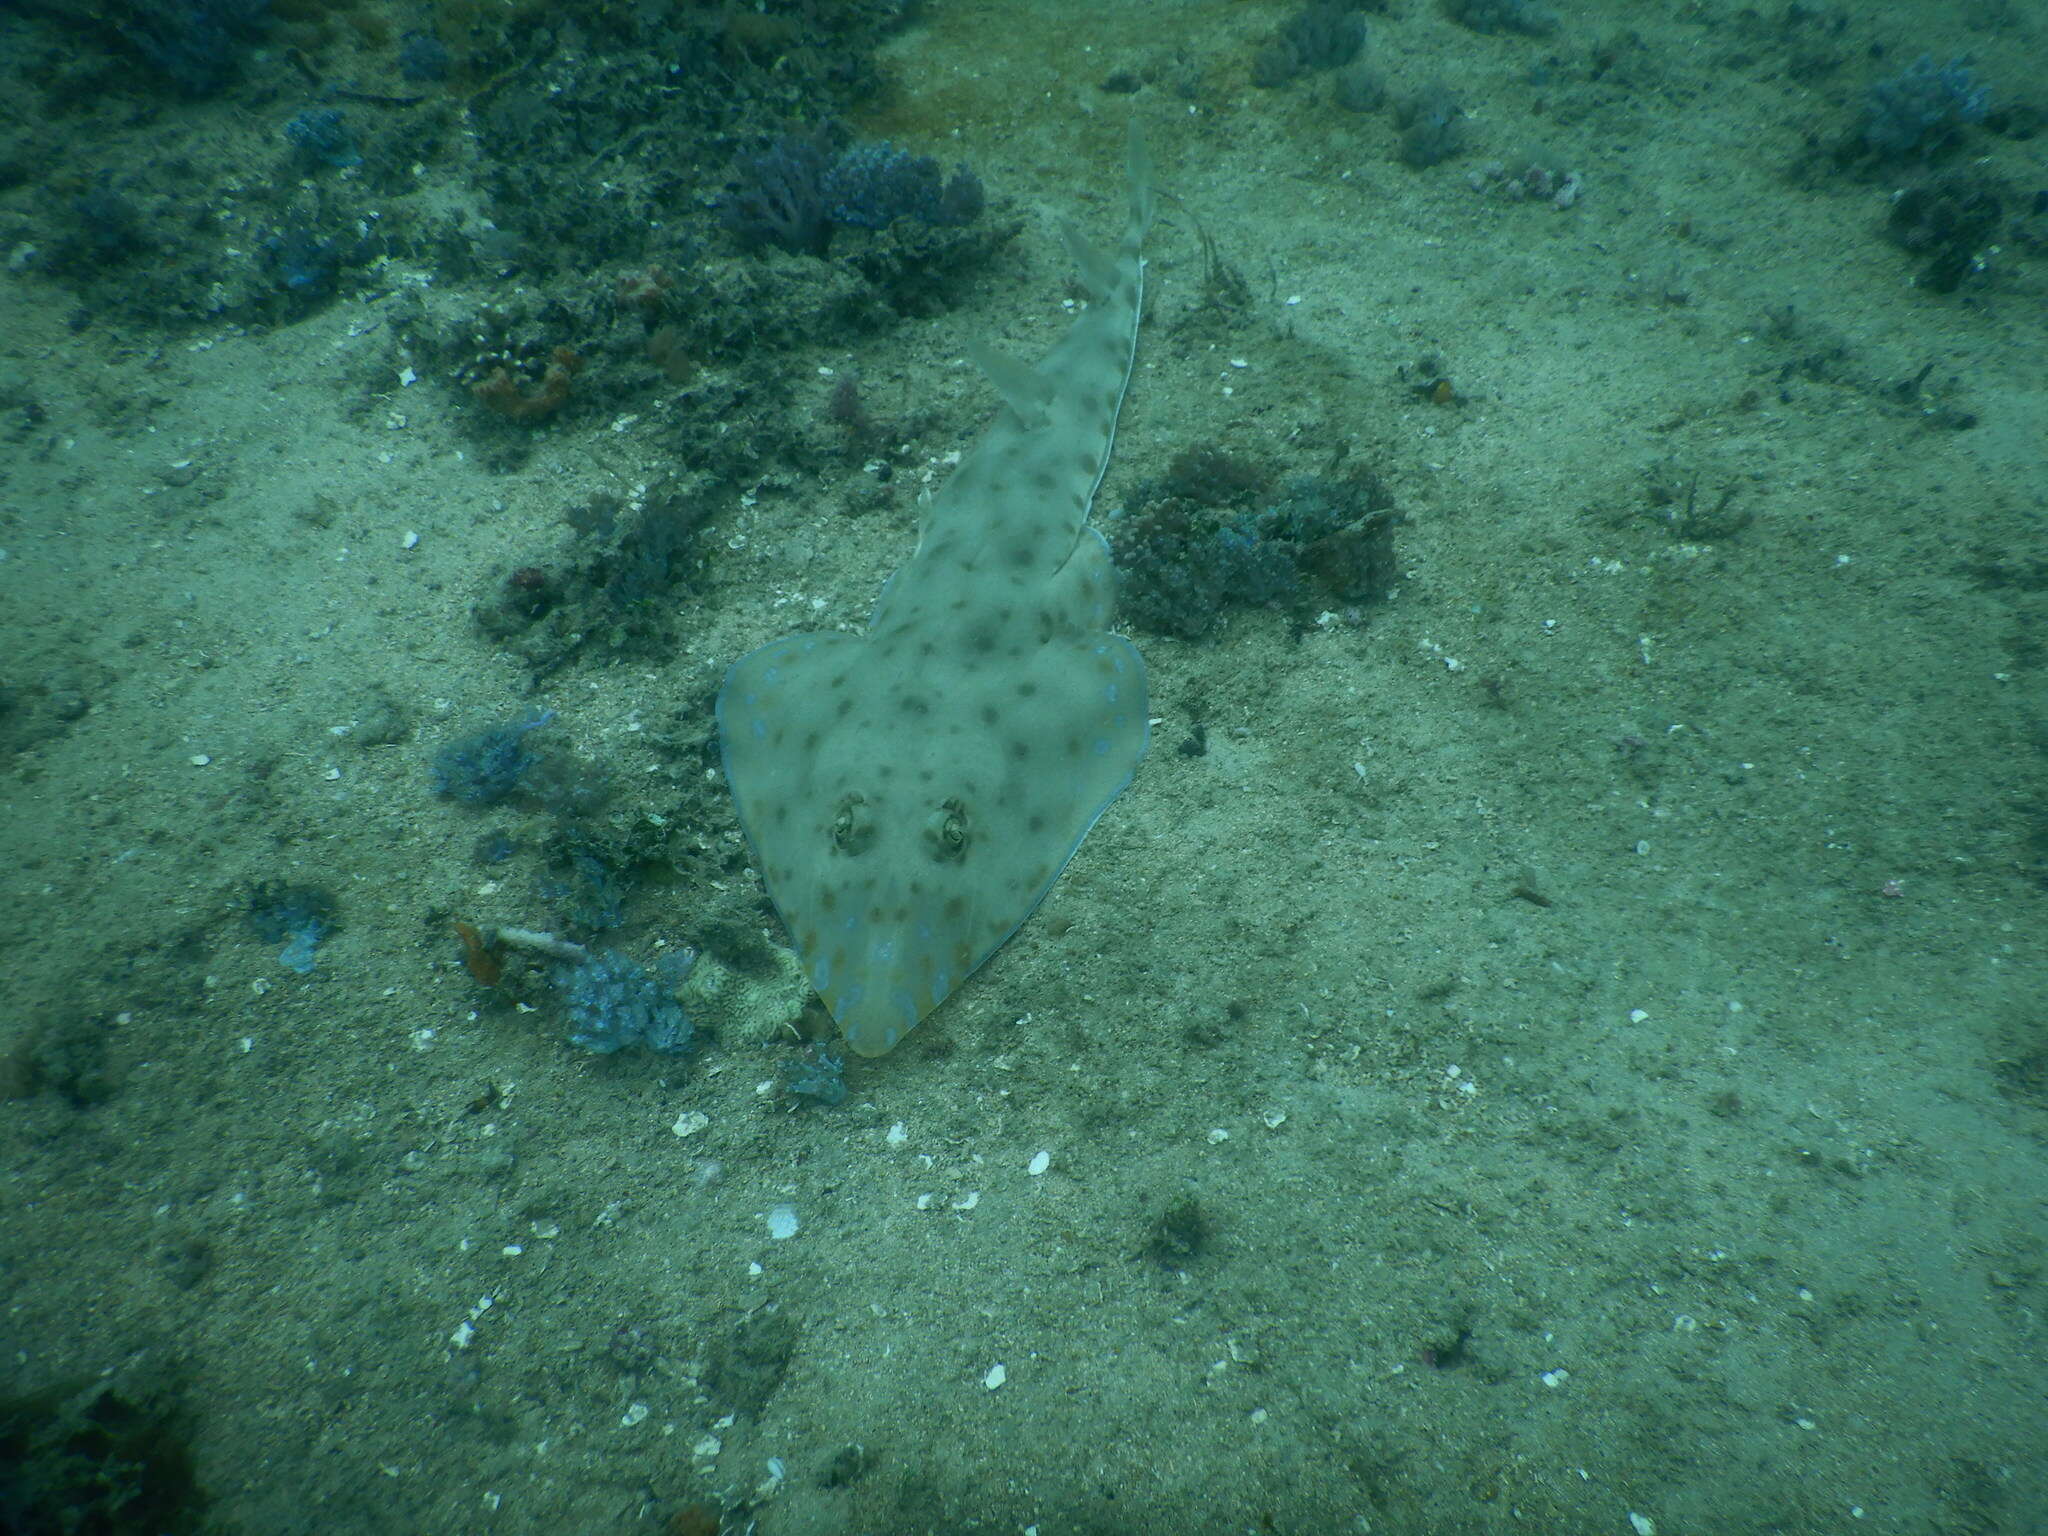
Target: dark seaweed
(321,136)
(778,196)
(490,765)
(194,44)
(871,186)
(1182,565)
(1502,16)
(1323,34)
(792,194)
(615,1002)
(1922,110)
(816,1073)
(99,1461)
(109,225)
(1948,223)
(297,916)
(1432,127)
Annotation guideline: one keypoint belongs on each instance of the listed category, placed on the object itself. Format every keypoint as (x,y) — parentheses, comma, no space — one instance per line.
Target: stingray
(911,794)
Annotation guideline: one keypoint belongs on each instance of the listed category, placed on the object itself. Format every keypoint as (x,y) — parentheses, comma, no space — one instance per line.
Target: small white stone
(1554,1378)
(782,1222)
(200,759)
(690,1122)
(899,1133)
(1637,1015)
(1218,1136)
(636,1414)
(407,378)
(968,1201)
(996,1376)
(1039,1164)
(707,1446)
(410,541)
(1644,1525)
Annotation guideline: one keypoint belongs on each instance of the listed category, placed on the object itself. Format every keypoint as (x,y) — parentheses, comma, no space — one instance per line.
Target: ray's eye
(853,829)
(946,833)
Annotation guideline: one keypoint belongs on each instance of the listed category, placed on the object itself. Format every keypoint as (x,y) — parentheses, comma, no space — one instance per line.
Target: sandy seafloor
(1706,1194)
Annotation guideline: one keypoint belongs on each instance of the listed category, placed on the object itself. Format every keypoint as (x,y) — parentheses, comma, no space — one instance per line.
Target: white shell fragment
(1039,1164)
(782,1222)
(996,1376)
(690,1122)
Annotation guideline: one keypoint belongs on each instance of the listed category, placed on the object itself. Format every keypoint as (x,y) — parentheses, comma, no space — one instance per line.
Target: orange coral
(476,954)
(645,290)
(504,394)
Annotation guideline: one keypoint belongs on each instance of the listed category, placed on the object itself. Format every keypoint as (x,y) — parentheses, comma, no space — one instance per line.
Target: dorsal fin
(1025,390)
(1096,268)
(1138,168)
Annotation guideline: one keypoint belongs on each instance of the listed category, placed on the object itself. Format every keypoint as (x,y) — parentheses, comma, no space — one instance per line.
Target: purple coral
(792,194)
(779,198)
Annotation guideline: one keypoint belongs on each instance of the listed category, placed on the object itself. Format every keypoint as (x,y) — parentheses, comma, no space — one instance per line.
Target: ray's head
(903,902)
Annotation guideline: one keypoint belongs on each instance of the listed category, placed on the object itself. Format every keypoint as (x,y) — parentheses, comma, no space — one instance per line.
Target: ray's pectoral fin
(778,705)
